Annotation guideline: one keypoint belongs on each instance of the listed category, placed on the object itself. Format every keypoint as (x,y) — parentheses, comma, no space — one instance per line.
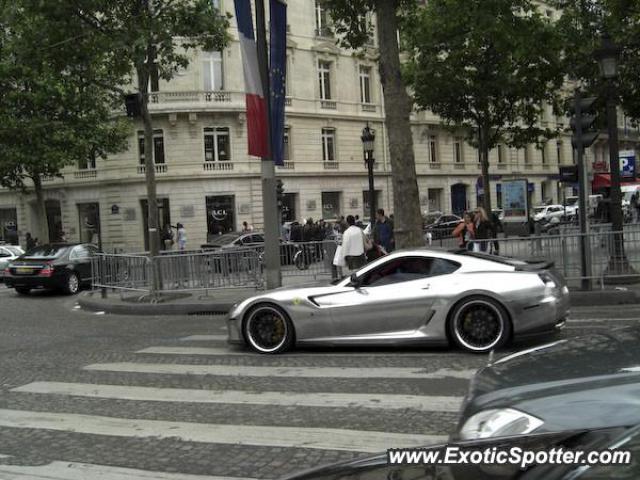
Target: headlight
(499,423)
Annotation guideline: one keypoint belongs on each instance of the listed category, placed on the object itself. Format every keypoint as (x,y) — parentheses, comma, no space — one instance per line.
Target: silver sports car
(473,300)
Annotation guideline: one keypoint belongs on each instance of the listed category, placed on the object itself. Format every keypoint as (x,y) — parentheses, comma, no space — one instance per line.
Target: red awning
(603,180)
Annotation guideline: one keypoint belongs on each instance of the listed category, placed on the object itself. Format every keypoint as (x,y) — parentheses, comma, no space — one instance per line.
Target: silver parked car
(8,253)
(473,300)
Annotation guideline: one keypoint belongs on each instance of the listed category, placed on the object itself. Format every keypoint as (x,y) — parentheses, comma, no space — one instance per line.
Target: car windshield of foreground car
(47,251)
(539,209)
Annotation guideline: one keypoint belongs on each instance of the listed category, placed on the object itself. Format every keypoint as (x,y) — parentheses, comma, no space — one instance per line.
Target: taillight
(7,271)
(548,280)
(47,271)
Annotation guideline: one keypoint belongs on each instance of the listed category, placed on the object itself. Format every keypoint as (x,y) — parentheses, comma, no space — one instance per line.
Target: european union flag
(278,74)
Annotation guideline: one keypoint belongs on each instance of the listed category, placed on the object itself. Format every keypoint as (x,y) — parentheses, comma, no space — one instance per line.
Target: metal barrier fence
(565,251)
(207,270)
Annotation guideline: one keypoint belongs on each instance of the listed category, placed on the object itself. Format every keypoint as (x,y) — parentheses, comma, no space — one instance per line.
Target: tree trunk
(483,148)
(152,201)
(398,105)
(42,224)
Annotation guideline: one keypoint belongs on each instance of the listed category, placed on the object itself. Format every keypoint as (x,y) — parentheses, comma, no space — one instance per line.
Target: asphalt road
(84,395)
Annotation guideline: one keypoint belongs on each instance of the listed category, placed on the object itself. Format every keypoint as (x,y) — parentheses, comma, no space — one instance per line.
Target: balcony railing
(47,178)
(286,166)
(367,107)
(434,166)
(458,166)
(159,168)
(528,166)
(330,165)
(324,32)
(88,173)
(287,101)
(502,166)
(217,166)
(328,104)
(191,96)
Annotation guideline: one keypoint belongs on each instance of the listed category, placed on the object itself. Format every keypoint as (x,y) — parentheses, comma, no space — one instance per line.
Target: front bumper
(234,331)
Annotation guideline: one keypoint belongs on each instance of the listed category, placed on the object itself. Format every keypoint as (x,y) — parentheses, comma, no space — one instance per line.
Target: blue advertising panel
(514,200)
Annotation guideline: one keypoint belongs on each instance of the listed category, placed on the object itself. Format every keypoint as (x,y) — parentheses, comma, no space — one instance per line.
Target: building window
(88,163)
(328,145)
(559,152)
(330,205)
(89,217)
(324,76)
(323,26)
(212,71)
(365,84)
(527,157)
(543,154)
(457,151)
(158,147)
(216,144)
(500,153)
(433,149)
(286,155)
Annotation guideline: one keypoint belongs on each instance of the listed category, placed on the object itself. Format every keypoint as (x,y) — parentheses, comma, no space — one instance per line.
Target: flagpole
(273,272)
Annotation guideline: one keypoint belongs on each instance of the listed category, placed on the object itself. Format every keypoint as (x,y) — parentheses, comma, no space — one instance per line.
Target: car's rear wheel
(479,324)
(268,329)
(72,283)
(23,290)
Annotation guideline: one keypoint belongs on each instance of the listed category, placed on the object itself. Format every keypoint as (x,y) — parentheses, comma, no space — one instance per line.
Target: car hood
(597,375)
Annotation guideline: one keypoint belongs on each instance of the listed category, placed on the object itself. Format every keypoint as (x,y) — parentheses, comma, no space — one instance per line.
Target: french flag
(257,113)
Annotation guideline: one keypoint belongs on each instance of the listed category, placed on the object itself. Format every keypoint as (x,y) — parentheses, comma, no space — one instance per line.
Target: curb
(87,302)
(599,298)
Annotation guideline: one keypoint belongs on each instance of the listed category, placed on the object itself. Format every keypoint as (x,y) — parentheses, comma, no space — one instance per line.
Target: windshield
(224,239)
(47,251)
(539,209)
(571,201)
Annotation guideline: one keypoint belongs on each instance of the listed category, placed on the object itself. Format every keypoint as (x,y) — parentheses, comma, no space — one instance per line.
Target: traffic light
(583,116)
(280,192)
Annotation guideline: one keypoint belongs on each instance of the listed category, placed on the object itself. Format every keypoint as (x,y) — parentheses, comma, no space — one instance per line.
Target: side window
(257,239)
(79,252)
(439,266)
(92,250)
(399,270)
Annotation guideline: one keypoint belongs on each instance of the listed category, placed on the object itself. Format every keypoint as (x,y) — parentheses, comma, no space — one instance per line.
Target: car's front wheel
(479,324)
(268,329)
(72,283)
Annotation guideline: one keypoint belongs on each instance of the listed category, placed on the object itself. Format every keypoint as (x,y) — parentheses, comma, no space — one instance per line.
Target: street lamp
(368,145)
(618,270)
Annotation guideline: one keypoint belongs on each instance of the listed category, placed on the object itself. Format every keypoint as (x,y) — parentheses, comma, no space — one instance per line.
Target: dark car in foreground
(56,266)
(583,382)
(584,440)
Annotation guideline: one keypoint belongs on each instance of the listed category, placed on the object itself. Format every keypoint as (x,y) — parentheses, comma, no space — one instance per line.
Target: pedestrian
(30,241)
(635,206)
(354,246)
(359,223)
(343,224)
(496,225)
(182,237)
(63,236)
(246,228)
(167,236)
(465,231)
(383,231)
(483,229)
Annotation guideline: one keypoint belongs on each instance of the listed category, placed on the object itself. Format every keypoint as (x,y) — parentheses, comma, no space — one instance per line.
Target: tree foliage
(487,67)
(582,26)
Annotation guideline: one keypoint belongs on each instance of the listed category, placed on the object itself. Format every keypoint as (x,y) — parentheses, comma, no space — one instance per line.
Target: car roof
(466,258)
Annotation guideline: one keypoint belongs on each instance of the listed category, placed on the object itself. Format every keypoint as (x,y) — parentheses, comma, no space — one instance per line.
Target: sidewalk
(219,302)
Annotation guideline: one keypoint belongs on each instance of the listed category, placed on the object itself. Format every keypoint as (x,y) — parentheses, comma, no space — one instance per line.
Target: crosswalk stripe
(236,397)
(227,351)
(81,471)
(271,436)
(299,372)
(204,338)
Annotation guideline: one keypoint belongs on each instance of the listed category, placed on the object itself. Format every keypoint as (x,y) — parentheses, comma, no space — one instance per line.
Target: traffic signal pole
(577,125)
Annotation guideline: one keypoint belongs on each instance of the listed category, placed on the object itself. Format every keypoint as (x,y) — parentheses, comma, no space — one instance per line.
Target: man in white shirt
(353,246)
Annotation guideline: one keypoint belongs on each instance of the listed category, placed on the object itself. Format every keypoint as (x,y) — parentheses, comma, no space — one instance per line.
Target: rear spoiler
(529,266)
(534,265)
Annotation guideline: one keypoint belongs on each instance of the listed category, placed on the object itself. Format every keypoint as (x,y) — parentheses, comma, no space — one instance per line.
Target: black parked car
(56,266)
(442,226)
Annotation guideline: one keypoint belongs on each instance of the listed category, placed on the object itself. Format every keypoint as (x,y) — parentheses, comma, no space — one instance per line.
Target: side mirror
(355,280)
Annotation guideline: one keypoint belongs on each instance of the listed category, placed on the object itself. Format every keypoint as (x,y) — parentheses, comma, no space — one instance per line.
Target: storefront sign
(628,163)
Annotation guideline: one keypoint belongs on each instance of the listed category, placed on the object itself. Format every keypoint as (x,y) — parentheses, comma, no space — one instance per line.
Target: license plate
(24,271)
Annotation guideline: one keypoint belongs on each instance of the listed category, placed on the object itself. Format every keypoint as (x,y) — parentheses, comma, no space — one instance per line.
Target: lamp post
(618,270)
(368,144)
